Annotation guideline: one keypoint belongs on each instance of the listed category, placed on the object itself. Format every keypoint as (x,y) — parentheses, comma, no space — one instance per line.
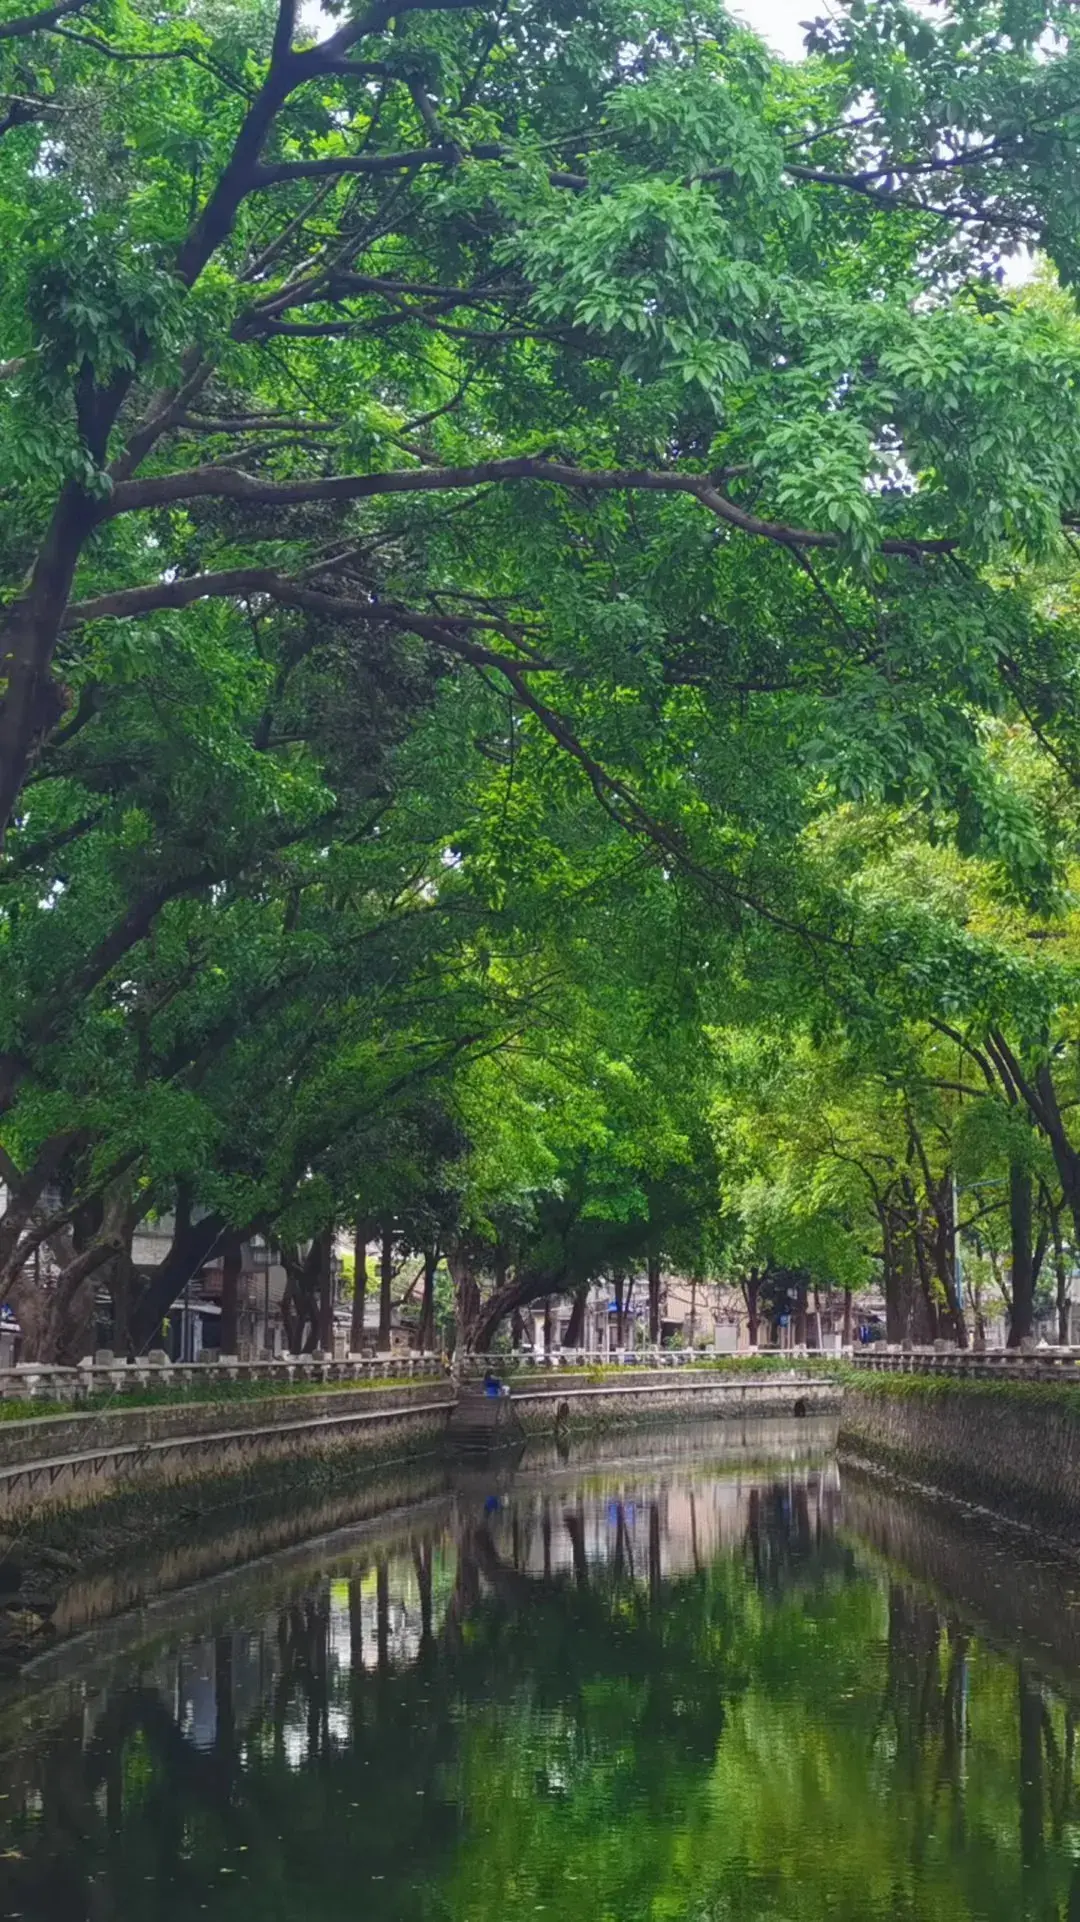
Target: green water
(663,1690)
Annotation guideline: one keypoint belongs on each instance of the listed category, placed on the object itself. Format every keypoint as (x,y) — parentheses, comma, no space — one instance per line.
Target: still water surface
(673,1687)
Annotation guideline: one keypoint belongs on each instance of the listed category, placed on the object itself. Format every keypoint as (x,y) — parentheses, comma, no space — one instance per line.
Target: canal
(682,1681)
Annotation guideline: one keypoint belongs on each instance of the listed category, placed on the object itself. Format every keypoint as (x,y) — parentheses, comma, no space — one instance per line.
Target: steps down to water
(481,1422)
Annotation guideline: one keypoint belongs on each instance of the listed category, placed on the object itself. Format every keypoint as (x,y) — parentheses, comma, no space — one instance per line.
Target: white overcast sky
(777,21)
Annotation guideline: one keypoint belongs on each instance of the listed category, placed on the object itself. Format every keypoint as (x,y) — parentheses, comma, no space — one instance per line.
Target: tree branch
(221,483)
(860,184)
(36,22)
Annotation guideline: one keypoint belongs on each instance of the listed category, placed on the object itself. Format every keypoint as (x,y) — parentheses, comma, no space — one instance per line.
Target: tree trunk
(1023,1269)
(299,1303)
(654,1300)
(846,1336)
(51,1326)
(32,702)
(525,1290)
(24,1190)
(193,1244)
(472,1330)
(425,1339)
(898,1263)
(1061,1277)
(325,1243)
(103,1257)
(924,1309)
(386,1276)
(1047,1115)
(118,1220)
(944,1254)
(359,1300)
(120,1283)
(575,1326)
(751,1288)
(618,1283)
(800,1314)
(230,1296)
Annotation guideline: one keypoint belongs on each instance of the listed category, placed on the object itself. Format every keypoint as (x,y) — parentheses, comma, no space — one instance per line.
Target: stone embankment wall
(1010,1446)
(586,1407)
(67,1460)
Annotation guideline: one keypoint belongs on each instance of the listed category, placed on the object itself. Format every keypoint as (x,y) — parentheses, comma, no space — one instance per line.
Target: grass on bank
(927,1389)
(202,1394)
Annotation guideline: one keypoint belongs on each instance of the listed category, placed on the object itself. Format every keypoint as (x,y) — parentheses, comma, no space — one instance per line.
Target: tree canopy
(539,640)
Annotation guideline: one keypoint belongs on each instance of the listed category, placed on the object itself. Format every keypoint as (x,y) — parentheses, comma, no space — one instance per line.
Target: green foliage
(542,632)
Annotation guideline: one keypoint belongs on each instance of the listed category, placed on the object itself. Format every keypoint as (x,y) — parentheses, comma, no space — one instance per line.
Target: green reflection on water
(664,1694)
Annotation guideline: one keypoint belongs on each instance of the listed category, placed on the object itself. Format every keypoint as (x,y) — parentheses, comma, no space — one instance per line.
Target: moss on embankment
(1013,1446)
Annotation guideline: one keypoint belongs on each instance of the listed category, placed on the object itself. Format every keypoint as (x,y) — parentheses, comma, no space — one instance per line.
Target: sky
(777,21)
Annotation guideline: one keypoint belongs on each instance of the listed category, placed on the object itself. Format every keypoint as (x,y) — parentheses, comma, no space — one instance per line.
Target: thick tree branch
(201,483)
(35,22)
(241,583)
(339,166)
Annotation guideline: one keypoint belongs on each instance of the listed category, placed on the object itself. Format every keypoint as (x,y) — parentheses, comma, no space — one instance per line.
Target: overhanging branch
(202,483)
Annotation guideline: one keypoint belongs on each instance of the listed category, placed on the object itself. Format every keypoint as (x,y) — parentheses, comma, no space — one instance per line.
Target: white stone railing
(109,1375)
(476,1366)
(1030,1363)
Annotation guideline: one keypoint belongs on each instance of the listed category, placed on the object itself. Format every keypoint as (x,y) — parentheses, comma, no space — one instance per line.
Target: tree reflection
(636,1697)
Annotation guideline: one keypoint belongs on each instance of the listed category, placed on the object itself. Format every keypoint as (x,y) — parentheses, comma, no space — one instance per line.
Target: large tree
(455,460)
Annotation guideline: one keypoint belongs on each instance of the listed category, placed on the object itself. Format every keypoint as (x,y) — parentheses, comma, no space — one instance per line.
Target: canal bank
(1011,1446)
(102,1509)
(68,1459)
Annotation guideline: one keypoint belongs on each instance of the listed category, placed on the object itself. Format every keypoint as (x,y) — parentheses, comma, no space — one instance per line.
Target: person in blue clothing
(492,1385)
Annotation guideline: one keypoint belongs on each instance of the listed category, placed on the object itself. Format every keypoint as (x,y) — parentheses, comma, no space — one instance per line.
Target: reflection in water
(632,1693)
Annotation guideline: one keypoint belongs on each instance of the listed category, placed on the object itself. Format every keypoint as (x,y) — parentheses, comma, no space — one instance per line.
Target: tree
(500,460)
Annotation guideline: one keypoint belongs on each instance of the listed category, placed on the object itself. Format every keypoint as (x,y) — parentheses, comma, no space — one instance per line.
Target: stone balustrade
(107,1374)
(1028,1363)
(110,1375)
(475,1366)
